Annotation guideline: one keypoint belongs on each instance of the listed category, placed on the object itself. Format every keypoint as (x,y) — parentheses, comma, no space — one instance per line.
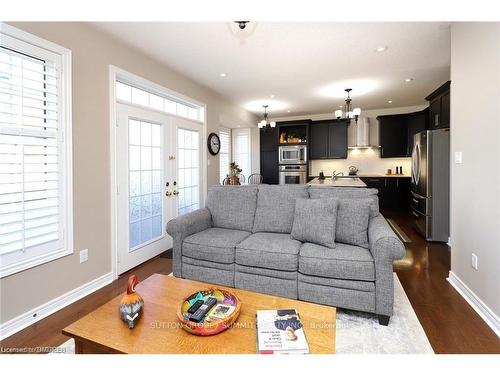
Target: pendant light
(349,113)
(265,124)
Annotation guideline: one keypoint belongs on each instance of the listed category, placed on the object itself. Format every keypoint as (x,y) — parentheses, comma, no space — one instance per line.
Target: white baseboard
(476,303)
(24,320)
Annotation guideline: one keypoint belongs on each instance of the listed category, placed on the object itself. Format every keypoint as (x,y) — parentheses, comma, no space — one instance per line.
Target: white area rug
(361,333)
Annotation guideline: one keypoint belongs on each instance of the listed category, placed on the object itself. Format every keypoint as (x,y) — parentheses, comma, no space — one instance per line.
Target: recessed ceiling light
(223,75)
(408,79)
(381,49)
(389,101)
(341,106)
(288,111)
(272,96)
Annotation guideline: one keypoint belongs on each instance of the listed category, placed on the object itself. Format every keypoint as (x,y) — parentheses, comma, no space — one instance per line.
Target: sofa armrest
(384,244)
(184,226)
(385,247)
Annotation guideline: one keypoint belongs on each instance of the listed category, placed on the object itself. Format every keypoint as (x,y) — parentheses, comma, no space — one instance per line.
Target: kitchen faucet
(335,174)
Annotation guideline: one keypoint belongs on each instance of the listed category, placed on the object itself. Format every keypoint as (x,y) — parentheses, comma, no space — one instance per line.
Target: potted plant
(234,171)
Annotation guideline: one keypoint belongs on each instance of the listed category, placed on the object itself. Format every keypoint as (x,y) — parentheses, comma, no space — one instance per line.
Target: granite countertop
(347,181)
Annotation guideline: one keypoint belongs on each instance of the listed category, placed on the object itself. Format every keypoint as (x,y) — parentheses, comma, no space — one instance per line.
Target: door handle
(175,192)
(436,119)
(168,194)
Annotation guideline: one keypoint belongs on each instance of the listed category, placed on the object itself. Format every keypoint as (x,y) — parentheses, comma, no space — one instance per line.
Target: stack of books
(280,332)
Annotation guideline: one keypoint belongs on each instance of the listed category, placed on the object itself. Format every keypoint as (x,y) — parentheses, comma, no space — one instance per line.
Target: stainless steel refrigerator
(430,184)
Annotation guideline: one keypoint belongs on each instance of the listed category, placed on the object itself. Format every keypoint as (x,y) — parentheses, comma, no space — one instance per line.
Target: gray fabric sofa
(242,239)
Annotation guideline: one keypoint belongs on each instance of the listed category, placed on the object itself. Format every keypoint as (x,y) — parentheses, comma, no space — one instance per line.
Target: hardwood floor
(47,332)
(451,325)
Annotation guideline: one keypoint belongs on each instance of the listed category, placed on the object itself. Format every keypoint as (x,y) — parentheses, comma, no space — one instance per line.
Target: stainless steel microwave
(292,155)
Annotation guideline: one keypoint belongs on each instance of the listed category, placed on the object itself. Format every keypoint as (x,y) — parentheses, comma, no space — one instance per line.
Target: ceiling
(306,66)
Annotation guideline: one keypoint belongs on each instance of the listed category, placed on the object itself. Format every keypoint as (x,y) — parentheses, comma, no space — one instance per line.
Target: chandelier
(349,113)
(265,124)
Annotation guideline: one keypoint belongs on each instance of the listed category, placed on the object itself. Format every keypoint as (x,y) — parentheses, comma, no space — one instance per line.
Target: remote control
(200,314)
(195,306)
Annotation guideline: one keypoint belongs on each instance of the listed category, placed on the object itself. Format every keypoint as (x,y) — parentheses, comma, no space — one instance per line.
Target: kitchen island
(338,182)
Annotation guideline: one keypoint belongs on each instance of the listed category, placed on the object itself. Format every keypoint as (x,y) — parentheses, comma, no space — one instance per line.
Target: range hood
(362,134)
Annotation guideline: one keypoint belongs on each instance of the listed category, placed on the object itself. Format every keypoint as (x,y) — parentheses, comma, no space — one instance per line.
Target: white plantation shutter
(241,150)
(225,152)
(34,180)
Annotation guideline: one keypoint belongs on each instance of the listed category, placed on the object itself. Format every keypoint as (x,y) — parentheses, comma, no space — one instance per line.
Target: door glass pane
(145,183)
(188,170)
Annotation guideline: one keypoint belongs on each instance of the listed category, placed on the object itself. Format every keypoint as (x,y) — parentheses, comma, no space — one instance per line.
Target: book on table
(280,332)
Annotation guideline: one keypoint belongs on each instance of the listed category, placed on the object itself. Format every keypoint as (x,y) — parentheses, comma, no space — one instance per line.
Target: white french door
(158,176)
(188,166)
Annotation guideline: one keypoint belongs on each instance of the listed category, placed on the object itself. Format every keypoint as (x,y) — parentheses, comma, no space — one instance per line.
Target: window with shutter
(224,153)
(241,153)
(35,151)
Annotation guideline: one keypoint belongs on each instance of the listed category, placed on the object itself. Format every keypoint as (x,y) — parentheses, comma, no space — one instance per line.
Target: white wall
(368,161)
(475,184)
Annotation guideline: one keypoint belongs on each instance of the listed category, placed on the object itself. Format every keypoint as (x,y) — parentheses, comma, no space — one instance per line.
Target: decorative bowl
(209,326)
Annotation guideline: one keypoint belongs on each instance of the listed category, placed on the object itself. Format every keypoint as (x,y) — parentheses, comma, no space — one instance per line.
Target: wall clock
(213,143)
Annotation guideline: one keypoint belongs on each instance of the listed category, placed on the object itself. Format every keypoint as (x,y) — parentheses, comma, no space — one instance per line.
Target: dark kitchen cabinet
(393,135)
(269,156)
(269,139)
(318,145)
(393,192)
(328,139)
(416,122)
(396,132)
(439,107)
(445,110)
(293,132)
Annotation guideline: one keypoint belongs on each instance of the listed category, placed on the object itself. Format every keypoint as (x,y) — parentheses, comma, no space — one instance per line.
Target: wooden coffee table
(158,331)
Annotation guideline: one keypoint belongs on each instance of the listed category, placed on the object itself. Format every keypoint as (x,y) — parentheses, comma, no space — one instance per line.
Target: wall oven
(293,174)
(293,154)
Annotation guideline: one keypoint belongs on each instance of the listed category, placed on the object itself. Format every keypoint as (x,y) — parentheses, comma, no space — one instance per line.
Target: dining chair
(255,179)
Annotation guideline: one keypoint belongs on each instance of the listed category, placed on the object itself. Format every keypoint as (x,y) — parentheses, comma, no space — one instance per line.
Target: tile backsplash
(368,161)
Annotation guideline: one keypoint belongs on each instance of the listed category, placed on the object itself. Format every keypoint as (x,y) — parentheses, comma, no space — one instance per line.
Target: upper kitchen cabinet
(318,145)
(396,132)
(328,139)
(417,122)
(439,107)
(293,132)
(393,136)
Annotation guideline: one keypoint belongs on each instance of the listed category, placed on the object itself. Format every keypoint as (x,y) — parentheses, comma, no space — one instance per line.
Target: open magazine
(280,332)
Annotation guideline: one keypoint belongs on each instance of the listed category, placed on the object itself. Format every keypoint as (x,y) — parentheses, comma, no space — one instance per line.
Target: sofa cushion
(213,244)
(269,250)
(340,192)
(232,207)
(344,262)
(315,221)
(275,207)
(353,216)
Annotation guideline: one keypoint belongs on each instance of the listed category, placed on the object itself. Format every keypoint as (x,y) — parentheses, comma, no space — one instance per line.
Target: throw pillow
(353,216)
(314,221)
